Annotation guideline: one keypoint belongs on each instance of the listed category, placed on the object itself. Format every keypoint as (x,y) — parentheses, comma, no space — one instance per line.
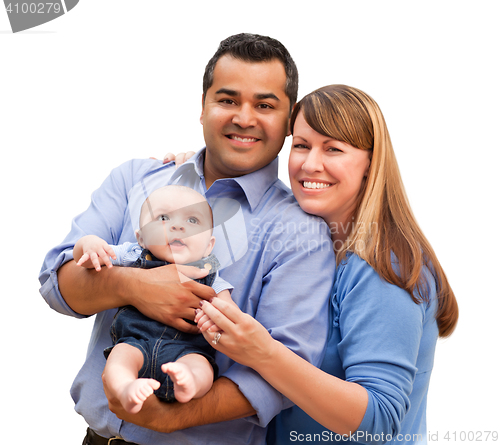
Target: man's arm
(75,291)
(158,293)
(222,403)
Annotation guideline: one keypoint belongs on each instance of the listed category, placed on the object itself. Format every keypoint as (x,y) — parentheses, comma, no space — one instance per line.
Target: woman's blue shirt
(382,340)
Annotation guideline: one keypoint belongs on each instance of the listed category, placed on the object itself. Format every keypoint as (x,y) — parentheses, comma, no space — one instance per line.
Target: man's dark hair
(255,48)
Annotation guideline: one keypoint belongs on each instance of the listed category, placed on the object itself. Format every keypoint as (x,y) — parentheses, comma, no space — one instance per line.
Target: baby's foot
(183,379)
(135,393)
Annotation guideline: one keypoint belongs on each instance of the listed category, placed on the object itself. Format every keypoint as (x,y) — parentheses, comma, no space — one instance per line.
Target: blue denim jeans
(160,343)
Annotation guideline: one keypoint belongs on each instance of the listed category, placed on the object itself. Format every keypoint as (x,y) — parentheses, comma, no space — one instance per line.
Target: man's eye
(163,218)
(265,106)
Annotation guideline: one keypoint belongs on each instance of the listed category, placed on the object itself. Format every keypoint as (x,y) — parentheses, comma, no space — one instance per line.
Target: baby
(148,356)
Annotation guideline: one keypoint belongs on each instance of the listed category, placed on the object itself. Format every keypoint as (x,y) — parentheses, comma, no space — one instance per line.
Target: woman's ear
(369,164)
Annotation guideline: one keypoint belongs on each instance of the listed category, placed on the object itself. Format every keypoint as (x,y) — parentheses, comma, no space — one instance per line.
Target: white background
(116,79)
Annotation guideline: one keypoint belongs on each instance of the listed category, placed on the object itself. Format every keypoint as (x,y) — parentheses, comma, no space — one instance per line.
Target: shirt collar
(254,185)
(257,183)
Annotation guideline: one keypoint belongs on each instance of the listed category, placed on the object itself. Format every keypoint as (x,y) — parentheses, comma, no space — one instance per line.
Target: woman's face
(325,174)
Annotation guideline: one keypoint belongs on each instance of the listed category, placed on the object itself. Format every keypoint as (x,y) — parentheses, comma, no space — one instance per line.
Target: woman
(390,301)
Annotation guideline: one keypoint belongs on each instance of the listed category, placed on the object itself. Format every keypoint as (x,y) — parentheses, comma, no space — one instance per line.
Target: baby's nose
(177,226)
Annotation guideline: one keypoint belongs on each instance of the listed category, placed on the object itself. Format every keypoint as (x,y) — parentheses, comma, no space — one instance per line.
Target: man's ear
(202,108)
(210,247)
(138,237)
(289,129)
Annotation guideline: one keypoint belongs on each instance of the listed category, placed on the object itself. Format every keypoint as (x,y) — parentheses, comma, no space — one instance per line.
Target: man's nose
(244,116)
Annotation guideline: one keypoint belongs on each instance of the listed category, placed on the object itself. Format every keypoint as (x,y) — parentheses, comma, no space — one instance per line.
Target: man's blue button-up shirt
(279,260)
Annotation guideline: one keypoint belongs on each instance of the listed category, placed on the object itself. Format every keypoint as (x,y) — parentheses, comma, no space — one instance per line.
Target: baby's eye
(193,220)
(163,218)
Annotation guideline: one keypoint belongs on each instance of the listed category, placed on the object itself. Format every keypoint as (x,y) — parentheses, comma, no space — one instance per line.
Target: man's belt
(92,438)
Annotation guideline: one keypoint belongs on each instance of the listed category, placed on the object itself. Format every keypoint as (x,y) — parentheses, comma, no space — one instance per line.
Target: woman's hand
(179,158)
(243,338)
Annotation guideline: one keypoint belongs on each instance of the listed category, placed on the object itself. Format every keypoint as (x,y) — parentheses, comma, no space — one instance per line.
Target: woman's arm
(336,404)
(179,158)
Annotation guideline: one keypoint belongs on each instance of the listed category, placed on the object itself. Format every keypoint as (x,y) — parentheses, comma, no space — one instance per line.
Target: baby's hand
(204,322)
(95,252)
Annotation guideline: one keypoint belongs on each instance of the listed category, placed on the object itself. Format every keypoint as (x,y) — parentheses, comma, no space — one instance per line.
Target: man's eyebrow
(263,96)
(258,96)
(227,91)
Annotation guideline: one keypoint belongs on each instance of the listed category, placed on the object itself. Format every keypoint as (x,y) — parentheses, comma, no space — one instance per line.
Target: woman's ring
(217,337)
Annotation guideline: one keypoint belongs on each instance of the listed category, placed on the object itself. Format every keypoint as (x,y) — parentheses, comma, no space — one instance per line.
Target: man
(265,243)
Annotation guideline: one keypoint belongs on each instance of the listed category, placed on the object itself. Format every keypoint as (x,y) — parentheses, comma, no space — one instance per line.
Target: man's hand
(223,402)
(167,294)
(162,293)
(150,416)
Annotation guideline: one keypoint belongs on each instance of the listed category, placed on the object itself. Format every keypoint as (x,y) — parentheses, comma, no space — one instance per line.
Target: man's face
(245,117)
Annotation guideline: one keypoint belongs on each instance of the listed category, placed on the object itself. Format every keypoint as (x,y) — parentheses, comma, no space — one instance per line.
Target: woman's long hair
(383,226)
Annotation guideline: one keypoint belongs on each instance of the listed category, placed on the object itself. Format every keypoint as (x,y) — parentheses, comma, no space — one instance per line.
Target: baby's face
(176,226)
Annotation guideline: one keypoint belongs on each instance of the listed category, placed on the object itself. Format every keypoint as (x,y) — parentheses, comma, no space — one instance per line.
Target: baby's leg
(122,369)
(192,375)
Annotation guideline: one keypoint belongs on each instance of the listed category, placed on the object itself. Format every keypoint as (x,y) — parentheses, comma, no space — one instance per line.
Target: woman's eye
(334,150)
(300,146)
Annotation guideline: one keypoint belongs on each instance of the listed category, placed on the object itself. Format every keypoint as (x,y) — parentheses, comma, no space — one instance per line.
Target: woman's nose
(313,162)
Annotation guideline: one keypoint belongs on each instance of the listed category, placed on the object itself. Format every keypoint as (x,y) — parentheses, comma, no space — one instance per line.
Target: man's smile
(244,139)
